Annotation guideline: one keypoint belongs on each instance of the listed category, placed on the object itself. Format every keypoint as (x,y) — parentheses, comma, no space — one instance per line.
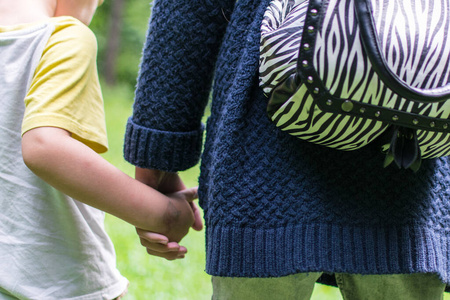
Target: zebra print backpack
(340,73)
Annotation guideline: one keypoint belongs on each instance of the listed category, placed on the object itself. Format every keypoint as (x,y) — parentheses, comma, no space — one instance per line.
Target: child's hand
(180,219)
(159,245)
(181,215)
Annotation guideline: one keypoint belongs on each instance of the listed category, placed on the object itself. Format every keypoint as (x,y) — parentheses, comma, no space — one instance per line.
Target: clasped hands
(181,214)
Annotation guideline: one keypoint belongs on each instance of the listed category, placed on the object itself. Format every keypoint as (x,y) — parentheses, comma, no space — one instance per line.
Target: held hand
(168,183)
(181,214)
(166,244)
(159,245)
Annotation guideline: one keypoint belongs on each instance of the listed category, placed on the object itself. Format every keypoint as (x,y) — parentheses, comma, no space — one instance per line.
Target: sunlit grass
(150,277)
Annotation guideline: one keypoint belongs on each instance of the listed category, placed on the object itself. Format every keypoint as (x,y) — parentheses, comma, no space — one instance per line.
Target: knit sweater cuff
(162,150)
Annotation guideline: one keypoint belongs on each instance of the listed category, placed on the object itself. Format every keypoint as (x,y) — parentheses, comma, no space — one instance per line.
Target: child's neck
(25,11)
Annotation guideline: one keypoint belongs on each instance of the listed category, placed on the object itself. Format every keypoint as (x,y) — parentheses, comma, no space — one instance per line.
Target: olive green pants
(352,287)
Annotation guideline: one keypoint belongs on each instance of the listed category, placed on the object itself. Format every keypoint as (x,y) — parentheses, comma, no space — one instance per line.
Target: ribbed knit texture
(274,205)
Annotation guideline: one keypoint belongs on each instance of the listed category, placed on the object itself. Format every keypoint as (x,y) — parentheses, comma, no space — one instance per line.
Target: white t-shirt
(51,246)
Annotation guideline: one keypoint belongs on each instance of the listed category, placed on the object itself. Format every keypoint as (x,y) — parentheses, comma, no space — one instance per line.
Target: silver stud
(305,63)
(306,46)
(310,79)
(310,29)
(316,90)
(362,110)
(432,124)
(314,12)
(347,106)
(329,102)
(445,126)
(415,121)
(394,118)
(377,114)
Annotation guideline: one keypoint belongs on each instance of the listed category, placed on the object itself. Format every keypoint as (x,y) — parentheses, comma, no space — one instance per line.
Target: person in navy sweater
(280,213)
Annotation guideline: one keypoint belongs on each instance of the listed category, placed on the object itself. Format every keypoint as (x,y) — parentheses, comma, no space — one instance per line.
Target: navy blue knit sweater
(274,205)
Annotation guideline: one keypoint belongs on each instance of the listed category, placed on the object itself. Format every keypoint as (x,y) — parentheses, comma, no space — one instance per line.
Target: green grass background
(151,277)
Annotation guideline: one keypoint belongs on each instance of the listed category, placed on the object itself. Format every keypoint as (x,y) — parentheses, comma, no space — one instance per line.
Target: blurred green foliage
(135,17)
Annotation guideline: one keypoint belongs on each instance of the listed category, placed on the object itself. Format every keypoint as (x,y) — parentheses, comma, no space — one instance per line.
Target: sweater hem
(302,248)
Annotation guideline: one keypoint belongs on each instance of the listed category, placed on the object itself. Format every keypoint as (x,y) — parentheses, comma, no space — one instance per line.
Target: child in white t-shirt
(52,241)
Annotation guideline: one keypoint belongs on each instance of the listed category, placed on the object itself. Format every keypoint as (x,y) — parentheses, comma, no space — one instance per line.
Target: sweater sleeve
(165,131)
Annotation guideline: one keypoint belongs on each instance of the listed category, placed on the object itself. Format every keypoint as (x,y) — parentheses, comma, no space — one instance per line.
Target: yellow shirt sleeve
(65,91)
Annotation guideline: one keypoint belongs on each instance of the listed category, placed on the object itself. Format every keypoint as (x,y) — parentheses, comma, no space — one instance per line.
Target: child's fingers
(152,237)
(170,255)
(170,247)
(167,255)
(158,245)
(156,242)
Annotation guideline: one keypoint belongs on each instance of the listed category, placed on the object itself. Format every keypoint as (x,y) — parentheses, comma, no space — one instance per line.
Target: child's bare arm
(76,170)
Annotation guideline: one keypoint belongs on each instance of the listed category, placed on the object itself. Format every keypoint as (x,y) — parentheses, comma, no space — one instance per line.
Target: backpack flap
(409,50)
(352,58)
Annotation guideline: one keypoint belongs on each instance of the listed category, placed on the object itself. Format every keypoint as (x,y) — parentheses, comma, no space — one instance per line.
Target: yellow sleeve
(65,91)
